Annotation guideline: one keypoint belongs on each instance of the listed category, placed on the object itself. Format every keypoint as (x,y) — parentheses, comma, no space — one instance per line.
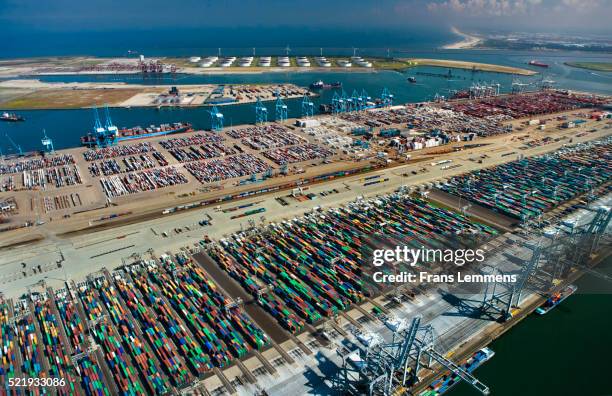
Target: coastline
(605,67)
(467,40)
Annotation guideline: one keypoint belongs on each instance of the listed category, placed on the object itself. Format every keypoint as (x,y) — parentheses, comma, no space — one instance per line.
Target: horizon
(545,16)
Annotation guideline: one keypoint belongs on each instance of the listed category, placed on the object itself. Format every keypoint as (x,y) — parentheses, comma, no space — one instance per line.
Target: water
(206,41)
(66,126)
(563,353)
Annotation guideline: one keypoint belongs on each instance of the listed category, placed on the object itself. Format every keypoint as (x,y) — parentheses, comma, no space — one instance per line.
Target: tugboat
(321,85)
(11,117)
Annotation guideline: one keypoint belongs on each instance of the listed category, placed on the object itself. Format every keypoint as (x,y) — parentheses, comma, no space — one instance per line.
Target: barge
(321,85)
(556,299)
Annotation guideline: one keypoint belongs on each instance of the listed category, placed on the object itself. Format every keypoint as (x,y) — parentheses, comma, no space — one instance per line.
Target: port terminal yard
(277,366)
(266,157)
(34,94)
(153,250)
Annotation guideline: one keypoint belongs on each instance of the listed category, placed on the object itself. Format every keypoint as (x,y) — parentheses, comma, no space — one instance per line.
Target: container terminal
(134,269)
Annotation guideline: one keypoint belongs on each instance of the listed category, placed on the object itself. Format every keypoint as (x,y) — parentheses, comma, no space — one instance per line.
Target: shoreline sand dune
(467,40)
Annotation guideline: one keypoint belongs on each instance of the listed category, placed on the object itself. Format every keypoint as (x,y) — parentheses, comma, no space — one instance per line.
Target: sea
(565,352)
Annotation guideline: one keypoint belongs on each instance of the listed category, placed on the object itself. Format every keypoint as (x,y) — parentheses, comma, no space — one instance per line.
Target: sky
(109,15)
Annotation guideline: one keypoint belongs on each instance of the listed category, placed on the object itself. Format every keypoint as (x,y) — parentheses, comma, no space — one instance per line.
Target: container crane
(216,119)
(386,97)
(15,145)
(390,367)
(337,103)
(261,112)
(365,98)
(104,136)
(518,86)
(356,101)
(307,107)
(281,109)
(47,143)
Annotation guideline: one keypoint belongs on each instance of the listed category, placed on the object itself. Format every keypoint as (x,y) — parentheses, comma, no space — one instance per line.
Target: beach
(467,40)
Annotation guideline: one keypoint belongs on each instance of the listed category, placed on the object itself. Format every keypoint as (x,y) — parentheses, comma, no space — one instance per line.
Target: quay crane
(15,145)
(261,112)
(341,103)
(216,119)
(518,86)
(103,136)
(386,368)
(307,107)
(281,109)
(386,97)
(47,143)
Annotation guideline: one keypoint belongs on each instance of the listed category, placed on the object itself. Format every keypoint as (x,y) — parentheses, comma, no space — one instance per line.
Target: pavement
(73,257)
(87,252)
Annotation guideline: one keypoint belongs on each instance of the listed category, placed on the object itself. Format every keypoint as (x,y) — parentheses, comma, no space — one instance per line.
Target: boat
(11,117)
(556,299)
(537,63)
(321,85)
(139,132)
(412,79)
(447,381)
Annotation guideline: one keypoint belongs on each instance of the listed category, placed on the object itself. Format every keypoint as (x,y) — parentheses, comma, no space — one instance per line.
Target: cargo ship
(556,299)
(321,85)
(139,132)
(11,117)
(446,382)
(537,63)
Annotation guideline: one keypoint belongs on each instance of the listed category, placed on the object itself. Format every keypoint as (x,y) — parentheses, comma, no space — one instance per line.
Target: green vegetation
(596,66)
(391,64)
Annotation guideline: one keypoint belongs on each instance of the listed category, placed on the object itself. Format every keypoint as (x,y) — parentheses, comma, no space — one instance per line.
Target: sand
(471,65)
(35,94)
(467,40)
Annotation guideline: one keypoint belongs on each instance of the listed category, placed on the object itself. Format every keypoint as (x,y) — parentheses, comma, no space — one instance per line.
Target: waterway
(66,126)
(563,353)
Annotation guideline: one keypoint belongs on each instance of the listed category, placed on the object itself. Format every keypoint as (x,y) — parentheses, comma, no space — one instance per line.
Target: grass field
(595,66)
(391,64)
